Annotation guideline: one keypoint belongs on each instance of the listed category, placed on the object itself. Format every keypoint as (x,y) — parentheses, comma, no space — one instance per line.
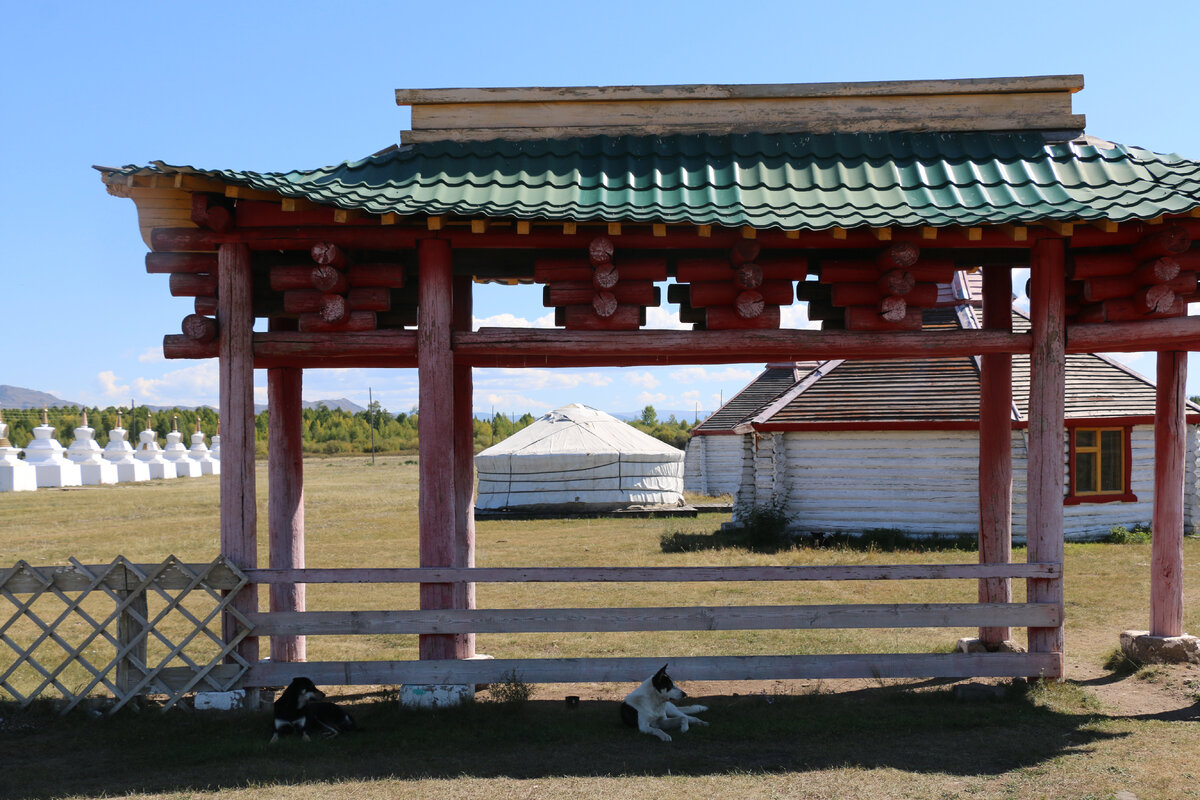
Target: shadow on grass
(768,539)
(891,727)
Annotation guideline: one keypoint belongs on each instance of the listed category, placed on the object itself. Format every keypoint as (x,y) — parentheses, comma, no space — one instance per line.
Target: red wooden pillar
(1166,561)
(285,495)
(464,466)
(995,448)
(1044,520)
(239,515)
(435,430)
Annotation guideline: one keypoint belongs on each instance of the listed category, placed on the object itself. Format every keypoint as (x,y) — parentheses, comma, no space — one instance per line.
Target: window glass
(1112,467)
(1085,472)
(1098,461)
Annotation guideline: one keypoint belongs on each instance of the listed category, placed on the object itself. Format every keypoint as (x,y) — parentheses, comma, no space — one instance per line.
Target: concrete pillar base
(1143,648)
(427,695)
(220,701)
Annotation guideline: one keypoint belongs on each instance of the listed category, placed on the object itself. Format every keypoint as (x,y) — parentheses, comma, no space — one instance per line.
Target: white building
(579,459)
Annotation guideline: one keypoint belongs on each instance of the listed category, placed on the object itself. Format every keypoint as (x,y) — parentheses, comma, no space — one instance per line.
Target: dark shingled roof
(769,385)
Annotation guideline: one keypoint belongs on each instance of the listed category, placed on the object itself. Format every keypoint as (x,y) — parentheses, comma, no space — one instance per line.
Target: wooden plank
(514,347)
(68,578)
(852,572)
(1170,446)
(493,346)
(176,678)
(961,112)
(545,94)
(705,618)
(693,668)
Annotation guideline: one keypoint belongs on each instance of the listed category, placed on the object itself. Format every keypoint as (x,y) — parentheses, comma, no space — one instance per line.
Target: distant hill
(19,397)
(339,403)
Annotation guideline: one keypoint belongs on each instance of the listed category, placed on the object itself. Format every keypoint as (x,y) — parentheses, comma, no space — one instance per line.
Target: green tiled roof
(789,181)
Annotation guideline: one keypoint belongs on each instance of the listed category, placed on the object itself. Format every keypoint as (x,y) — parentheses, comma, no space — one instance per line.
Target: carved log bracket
(889,292)
(601,291)
(1154,279)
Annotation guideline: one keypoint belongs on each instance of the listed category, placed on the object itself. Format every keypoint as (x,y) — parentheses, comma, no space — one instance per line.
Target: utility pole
(373,415)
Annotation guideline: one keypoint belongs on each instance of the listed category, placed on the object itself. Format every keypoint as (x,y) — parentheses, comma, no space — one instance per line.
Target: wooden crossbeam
(694,668)
(706,618)
(833,572)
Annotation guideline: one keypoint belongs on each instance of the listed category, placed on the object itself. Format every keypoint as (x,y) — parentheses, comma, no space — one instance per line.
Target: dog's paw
(699,709)
(699,722)
(666,737)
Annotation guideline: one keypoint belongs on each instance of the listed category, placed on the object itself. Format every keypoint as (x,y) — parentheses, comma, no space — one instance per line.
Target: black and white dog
(651,707)
(302,709)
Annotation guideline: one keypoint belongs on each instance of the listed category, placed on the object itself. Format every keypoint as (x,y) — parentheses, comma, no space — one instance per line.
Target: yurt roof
(577,428)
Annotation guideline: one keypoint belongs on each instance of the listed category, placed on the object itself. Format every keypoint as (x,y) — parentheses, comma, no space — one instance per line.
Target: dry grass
(797,739)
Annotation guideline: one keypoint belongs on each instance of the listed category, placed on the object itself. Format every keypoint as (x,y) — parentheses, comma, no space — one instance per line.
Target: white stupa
(46,456)
(85,451)
(200,453)
(215,452)
(178,455)
(15,474)
(120,453)
(150,454)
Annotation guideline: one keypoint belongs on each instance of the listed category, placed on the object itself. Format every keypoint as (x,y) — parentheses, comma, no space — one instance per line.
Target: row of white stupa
(47,464)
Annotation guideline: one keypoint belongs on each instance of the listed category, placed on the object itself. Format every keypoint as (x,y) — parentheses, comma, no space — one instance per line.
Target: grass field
(1099,733)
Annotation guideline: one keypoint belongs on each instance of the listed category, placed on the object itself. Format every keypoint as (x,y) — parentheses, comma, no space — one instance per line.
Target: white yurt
(579,459)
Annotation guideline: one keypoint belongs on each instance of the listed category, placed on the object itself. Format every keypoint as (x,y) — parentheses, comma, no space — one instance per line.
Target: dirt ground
(1163,691)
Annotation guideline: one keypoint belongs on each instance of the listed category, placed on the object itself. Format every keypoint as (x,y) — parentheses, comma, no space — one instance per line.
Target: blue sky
(273,86)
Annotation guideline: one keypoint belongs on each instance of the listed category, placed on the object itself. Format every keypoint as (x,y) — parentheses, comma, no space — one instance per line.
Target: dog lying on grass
(651,707)
(302,709)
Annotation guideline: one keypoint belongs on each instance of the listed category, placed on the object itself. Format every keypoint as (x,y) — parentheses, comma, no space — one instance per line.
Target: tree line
(325,431)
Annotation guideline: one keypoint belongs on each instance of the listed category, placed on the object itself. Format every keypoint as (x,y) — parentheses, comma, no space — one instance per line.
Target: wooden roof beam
(989,104)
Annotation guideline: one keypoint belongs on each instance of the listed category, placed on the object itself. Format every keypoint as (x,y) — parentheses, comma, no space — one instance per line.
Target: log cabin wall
(923,482)
(713,464)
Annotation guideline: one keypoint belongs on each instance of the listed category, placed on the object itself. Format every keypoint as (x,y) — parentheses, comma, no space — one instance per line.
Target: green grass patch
(1139,534)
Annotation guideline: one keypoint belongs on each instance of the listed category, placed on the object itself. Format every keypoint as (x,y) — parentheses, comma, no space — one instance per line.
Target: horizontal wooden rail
(855,572)
(694,668)
(21,578)
(687,618)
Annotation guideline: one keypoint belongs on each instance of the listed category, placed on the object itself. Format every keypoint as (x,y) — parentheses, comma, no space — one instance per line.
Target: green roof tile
(789,181)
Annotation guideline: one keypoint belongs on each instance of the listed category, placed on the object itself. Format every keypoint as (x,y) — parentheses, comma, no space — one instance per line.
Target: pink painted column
(435,429)
(464,466)
(239,514)
(995,448)
(1044,520)
(285,496)
(1166,560)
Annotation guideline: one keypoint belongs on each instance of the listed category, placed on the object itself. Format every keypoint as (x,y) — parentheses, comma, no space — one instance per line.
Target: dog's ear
(663,671)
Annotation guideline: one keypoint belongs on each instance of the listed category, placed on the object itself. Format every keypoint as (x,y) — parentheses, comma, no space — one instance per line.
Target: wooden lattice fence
(123,629)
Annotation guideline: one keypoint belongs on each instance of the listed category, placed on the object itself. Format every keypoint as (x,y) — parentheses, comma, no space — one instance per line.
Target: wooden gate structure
(854,198)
